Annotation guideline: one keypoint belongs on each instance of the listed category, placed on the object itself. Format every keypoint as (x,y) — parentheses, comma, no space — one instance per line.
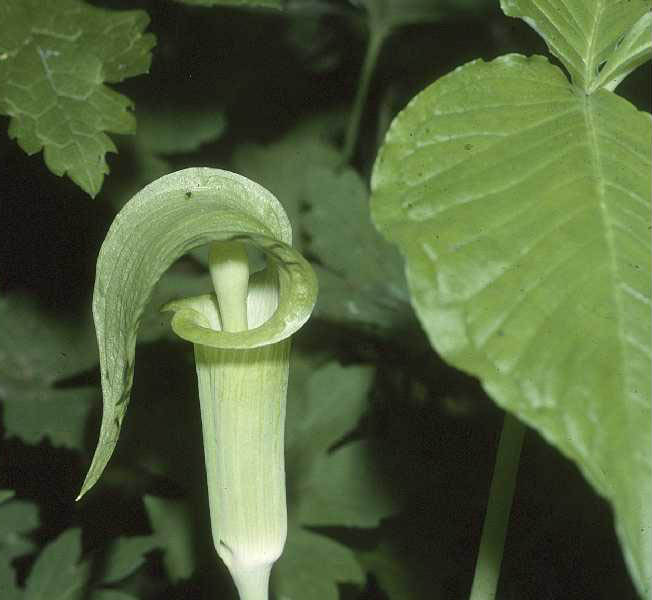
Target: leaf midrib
(608,230)
(589,61)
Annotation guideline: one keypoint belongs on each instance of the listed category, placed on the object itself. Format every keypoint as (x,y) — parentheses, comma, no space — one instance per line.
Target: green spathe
(242,394)
(241,336)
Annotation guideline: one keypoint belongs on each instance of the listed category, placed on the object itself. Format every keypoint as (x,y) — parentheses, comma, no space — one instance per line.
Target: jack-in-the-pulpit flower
(241,335)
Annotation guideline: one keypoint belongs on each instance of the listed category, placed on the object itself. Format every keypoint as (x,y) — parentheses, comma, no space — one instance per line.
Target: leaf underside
(55,58)
(522,208)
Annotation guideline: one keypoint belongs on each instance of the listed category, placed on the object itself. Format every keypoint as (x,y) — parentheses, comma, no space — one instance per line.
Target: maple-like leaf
(55,58)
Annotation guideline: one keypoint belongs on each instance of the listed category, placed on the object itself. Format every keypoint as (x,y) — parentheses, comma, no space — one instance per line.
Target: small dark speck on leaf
(188,194)
(468,146)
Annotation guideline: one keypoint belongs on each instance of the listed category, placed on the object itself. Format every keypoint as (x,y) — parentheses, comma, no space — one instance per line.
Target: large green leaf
(37,351)
(521,205)
(583,34)
(55,56)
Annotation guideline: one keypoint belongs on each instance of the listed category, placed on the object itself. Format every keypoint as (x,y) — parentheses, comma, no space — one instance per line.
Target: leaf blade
(528,259)
(56,574)
(582,34)
(634,50)
(312,565)
(56,56)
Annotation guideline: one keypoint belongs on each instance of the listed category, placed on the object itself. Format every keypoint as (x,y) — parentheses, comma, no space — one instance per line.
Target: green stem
(375,43)
(501,493)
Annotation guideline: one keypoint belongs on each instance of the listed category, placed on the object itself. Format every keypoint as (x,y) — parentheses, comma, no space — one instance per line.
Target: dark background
(267,71)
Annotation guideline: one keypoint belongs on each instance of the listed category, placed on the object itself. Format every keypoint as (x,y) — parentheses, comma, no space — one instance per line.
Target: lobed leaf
(126,555)
(57,574)
(344,489)
(55,57)
(172,523)
(312,565)
(521,205)
(36,353)
(178,130)
(361,276)
(17,518)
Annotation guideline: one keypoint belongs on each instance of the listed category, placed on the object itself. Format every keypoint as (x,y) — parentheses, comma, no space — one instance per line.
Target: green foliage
(171,522)
(583,35)
(326,487)
(240,3)
(37,352)
(171,131)
(633,50)
(341,487)
(58,573)
(17,518)
(338,487)
(281,166)
(386,481)
(391,14)
(312,566)
(55,57)
(360,276)
(126,555)
(520,204)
